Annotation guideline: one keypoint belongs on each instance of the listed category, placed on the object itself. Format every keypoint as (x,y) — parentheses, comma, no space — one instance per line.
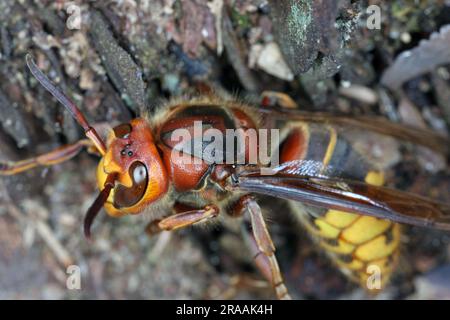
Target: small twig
(41,227)
(360,93)
(236,56)
(161,244)
(216,7)
(53,243)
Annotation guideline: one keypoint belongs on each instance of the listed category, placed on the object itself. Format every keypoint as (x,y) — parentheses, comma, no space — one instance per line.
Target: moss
(241,21)
(299,20)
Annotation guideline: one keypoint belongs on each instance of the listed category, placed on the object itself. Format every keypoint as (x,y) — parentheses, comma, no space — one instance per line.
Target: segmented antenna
(66,102)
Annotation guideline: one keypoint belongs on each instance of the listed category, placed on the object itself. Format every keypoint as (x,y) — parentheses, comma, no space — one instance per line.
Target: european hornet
(336,191)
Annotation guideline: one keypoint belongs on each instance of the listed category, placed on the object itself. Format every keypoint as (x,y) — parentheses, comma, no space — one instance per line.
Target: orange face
(141,176)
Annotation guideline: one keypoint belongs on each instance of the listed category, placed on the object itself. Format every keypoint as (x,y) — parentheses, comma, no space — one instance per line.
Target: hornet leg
(56,156)
(184,219)
(262,246)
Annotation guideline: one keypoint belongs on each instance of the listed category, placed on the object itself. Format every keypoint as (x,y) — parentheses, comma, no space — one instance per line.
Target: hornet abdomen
(360,245)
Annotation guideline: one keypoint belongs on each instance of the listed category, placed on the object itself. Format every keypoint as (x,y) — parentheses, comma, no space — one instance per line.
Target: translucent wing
(349,196)
(427,138)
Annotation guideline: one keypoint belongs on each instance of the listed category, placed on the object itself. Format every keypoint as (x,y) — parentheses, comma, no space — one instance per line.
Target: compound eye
(127,197)
(122,131)
(139,174)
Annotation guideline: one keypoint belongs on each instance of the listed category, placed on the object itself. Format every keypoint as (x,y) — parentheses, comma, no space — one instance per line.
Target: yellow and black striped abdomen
(358,245)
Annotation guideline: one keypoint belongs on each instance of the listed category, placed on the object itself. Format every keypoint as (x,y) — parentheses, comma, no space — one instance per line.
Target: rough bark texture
(128,56)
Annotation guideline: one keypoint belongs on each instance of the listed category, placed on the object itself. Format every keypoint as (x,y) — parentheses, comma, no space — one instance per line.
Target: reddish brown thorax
(185,173)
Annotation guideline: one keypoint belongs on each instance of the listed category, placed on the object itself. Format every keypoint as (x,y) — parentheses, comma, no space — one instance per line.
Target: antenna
(66,102)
